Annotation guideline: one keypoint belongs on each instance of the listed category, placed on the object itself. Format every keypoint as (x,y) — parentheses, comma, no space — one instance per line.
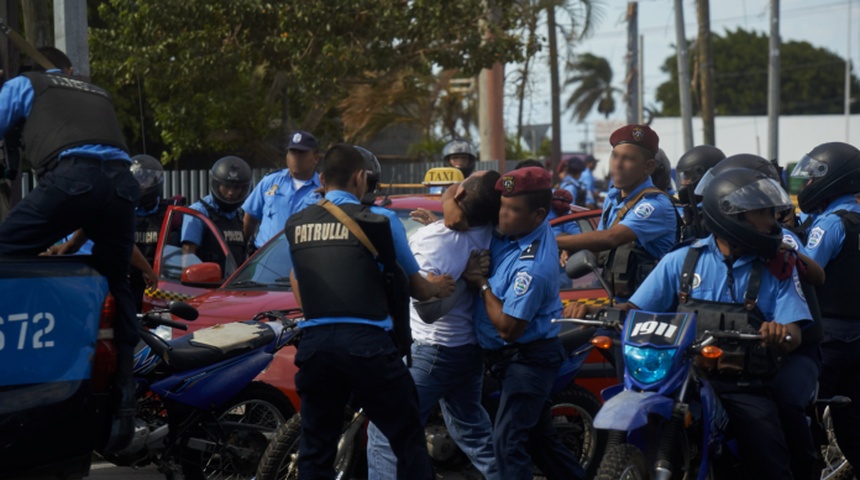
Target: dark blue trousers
(523,430)
(340,361)
(98,197)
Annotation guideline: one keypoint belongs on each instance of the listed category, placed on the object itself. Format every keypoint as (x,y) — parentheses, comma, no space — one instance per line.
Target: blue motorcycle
(200,412)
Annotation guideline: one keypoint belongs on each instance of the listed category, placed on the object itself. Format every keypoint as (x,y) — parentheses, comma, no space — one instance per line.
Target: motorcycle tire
(573,412)
(622,462)
(835,465)
(258,404)
(280,460)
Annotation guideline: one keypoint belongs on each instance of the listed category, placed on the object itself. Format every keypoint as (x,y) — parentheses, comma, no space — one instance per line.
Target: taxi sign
(442,176)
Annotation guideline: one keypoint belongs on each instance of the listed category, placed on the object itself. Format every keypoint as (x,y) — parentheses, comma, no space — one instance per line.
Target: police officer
(75,144)
(832,172)
(513,324)
(570,173)
(691,167)
(345,349)
(725,279)
(374,173)
(639,221)
(284,192)
(229,184)
(460,154)
(588,175)
(661,177)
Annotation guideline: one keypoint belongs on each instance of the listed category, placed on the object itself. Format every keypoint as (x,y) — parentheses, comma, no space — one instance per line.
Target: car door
(182,274)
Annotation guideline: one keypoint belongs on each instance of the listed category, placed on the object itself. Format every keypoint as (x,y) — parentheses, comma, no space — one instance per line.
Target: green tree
(215,72)
(593,77)
(812,79)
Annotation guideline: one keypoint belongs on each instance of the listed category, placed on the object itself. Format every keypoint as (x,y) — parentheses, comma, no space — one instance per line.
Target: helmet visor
(704,182)
(146,177)
(690,176)
(763,193)
(809,167)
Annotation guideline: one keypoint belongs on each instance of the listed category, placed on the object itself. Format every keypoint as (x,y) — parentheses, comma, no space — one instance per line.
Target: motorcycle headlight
(647,364)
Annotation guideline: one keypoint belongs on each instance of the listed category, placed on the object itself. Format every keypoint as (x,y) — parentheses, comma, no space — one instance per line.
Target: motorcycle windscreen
(656,329)
(49,322)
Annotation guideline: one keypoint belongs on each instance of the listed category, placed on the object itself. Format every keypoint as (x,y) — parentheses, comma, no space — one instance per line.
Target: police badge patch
(297,138)
(638,134)
(797,286)
(508,183)
(789,240)
(815,237)
(271,191)
(644,210)
(521,283)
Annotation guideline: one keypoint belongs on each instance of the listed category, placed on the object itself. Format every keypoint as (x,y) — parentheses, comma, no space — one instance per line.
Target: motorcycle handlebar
(730,335)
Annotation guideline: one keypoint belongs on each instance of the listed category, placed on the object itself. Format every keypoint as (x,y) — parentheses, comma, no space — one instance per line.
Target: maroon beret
(641,135)
(561,200)
(524,180)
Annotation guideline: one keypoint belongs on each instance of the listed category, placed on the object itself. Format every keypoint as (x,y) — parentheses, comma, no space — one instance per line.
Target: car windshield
(270,267)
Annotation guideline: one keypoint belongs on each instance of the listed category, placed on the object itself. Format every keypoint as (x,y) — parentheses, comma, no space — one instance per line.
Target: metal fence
(194,184)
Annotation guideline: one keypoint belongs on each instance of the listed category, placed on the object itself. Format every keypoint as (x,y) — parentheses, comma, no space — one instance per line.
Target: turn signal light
(711,351)
(602,342)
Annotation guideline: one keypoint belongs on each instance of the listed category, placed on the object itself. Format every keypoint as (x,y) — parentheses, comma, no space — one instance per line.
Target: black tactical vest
(742,360)
(231,231)
(338,276)
(841,287)
(147,231)
(67,113)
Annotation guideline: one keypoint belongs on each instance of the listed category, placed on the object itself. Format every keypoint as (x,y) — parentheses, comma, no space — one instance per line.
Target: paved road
(106,471)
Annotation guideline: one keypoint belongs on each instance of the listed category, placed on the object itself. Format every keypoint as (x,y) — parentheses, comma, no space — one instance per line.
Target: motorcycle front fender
(629,410)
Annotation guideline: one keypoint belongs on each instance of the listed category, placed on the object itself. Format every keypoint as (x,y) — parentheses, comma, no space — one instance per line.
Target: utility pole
(491,97)
(641,86)
(773,83)
(555,93)
(848,79)
(632,60)
(70,34)
(683,76)
(706,71)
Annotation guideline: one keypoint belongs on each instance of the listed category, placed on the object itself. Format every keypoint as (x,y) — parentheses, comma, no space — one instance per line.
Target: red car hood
(222,306)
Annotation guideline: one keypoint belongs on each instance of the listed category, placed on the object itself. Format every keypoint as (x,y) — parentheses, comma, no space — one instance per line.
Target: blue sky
(824,23)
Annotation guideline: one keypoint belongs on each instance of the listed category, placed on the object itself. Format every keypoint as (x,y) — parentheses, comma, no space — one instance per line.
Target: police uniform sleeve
(253,205)
(16,100)
(790,305)
(659,290)
(192,228)
(825,240)
(525,296)
(401,245)
(650,219)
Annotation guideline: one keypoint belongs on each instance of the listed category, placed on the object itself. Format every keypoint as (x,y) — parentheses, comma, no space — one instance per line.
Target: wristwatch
(485,287)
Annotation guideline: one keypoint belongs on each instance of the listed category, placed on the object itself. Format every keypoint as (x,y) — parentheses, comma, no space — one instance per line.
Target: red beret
(561,200)
(641,135)
(524,180)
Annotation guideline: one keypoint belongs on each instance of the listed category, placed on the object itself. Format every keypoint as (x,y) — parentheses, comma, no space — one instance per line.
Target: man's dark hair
(340,162)
(55,56)
(529,163)
(481,201)
(539,199)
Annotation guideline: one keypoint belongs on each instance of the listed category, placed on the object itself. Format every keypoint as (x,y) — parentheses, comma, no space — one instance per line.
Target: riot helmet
(741,160)
(832,169)
(661,177)
(698,160)
(149,173)
(372,167)
(231,172)
(735,192)
(460,146)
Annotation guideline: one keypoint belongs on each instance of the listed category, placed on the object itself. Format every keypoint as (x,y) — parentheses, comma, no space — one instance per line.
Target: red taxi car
(226,292)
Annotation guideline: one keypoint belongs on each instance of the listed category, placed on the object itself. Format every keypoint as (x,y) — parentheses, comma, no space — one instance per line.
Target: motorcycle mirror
(581,264)
(182,310)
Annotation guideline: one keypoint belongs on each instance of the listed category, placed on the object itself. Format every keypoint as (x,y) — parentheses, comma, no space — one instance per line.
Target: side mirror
(581,264)
(182,310)
(207,274)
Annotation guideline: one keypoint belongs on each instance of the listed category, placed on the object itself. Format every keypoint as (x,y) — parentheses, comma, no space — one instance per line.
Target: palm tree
(593,75)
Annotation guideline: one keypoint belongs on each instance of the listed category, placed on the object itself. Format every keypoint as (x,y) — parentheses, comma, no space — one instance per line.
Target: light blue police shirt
(573,186)
(192,228)
(524,276)
(571,227)
(827,233)
(401,250)
(652,219)
(781,301)
(275,199)
(16,101)
(587,179)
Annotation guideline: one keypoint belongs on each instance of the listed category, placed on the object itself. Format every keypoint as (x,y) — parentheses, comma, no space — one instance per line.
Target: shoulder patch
(789,240)
(522,282)
(531,251)
(797,286)
(815,237)
(643,210)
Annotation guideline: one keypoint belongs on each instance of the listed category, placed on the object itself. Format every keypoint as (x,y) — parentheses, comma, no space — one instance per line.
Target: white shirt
(440,250)
(297,184)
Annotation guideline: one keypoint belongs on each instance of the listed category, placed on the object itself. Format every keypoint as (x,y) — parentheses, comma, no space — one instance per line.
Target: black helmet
(740,190)
(234,172)
(698,160)
(834,169)
(149,173)
(741,160)
(662,174)
(373,168)
(460,146)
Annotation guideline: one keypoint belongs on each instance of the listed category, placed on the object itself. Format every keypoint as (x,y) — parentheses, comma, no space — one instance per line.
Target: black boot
(125,403)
